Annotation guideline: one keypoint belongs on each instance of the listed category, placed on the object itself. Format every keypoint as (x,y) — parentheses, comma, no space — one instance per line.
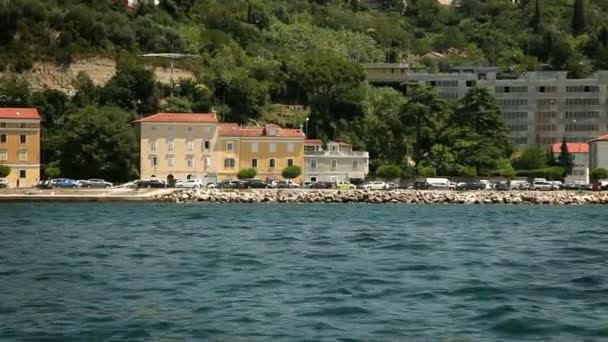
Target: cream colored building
(20,145)
(178,146)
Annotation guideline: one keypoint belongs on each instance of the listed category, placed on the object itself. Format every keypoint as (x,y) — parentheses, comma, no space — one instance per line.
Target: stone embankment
(394,196)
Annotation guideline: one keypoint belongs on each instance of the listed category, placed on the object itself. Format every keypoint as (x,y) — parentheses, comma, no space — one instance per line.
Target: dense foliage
(5,170)
(291,172)
(247,173)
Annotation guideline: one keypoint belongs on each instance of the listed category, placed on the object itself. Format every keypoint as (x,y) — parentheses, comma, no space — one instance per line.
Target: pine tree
(578,17)
(565,158)
(551,157)
(536,19)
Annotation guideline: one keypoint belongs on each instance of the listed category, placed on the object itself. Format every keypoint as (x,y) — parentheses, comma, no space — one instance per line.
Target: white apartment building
(336,162)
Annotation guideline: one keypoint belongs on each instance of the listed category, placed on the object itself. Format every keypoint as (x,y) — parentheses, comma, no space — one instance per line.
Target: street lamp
(306,128)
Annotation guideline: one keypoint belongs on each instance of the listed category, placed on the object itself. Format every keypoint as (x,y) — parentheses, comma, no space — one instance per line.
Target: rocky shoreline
(379,197)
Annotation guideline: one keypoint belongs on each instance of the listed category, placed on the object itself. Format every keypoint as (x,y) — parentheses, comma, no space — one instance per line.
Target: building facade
(268,149)
(178,146)
(336,162)
(598,152)
(541,107)
(20,145)
(580,153)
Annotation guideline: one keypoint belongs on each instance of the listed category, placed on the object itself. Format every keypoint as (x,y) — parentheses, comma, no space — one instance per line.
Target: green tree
(442,159)
(99,144)
(531,158)
(427,171)
(291,172)
(565,159)
(578,17)
(389,172)
(14,92)
(599,173)
(468,172)
(52,172)
(247,173)
(86,92)
(537,17)
(5,170)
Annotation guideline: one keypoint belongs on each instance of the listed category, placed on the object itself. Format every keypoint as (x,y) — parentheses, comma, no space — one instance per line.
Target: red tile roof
(19,113)
(572,147)
(600,138)
(313,142)
(181,118)
(234,130)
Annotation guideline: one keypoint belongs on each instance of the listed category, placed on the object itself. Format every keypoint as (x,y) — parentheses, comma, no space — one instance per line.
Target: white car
(375,185)
(3,182)
(189,183)
(542,185)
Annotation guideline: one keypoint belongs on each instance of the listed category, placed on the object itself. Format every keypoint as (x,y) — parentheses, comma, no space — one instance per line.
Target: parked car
(253,184)
(150,183)
(44,184)
(321,185)
(519,185)
(474,185)
(392,186)
(189,183)
(374,185)
(228,184)
(287,184)
(63,183)
(542,185)
(502,186)
(421,185)
(3,182)
(94,183)
(344,185)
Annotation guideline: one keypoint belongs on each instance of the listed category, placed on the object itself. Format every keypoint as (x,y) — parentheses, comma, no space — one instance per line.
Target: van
(519,185)
(439,184)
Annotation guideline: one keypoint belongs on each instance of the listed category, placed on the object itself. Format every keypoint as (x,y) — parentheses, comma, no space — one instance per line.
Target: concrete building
(20,145)
(268,149)
(540,107)
(336,162)
(598,152)
(580,152)
(178,146)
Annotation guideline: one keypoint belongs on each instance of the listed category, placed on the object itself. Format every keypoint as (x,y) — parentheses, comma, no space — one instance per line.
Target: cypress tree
(551,157)
(565,158)
(578,17)
(536,19)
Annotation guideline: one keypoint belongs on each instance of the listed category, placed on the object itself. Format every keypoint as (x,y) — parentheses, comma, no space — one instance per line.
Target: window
(313,179)
(229,147)
(520,140)
(22,138)
(516,115)
(272,147)
(518,128)
(541,89)
(355,165)
(206,145)
(254,147)
(170,129)
(22,174)
(3,155)
(581,127)
(509,89)
(471,83)
(154,161)
(153,128)
(546,102)
(254,163)
(207,129)
(546,115)
(290,147)
(190,144)
(22,155)
(2,138)
(171,161)
(481,76)
(2,124)
(546,128)
(229,163)
(153,145)
(272,163)
(290,162)
(582,115)
(313,164)
(22,125)
(170,145)
(189,129)
(334,164)
(190,161)
(582,101)
(512,102)
(582,89)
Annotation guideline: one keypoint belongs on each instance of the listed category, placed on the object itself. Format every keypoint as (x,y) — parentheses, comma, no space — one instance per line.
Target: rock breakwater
(394,196)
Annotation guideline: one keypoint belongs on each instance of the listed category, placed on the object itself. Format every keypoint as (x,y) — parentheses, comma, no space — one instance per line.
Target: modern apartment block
(268,149)
(20,145)
(337,162)
(580,152)
(178,146)
(540,107)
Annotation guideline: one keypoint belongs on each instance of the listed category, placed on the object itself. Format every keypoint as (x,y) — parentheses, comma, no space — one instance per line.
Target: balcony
(354,154)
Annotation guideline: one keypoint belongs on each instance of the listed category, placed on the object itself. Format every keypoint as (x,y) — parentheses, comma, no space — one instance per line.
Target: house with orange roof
(178,146)
(20,145)
(580,152)
(268,148)
(598,152)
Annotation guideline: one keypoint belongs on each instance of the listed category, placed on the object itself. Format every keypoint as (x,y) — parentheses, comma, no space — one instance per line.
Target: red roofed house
(20,145)
(580,152)
(598,152)
(178,146)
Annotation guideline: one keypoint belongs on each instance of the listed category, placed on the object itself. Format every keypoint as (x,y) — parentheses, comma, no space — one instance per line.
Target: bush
(408,172)
(507,172)
(599,173)
(247,173)
(291,172)
(427,171)
(5,170)
(52,172)
(532,158)
(389,172)
(468,172)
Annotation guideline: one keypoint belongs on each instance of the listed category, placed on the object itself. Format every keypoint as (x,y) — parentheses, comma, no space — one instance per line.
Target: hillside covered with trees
(255,54)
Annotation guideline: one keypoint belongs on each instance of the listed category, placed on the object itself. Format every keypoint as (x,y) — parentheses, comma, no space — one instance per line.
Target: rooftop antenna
(171,57)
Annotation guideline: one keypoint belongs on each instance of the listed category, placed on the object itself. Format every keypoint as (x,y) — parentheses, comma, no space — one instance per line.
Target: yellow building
(178,146)
(20,145)
(268,149)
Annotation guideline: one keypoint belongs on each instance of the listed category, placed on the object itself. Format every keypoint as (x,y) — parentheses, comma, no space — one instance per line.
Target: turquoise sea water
(164,272)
